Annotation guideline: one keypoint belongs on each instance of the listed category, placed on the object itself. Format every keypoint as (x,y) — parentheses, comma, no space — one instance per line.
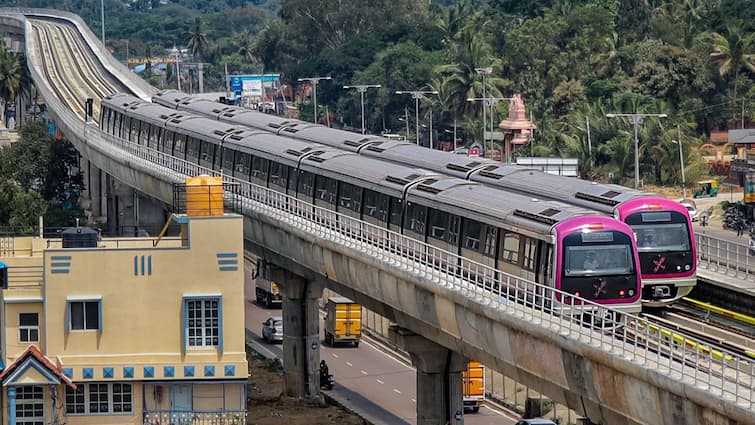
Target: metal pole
(314,97)
(636,121)
(431,127)
(361,95)
(589,142)
(102,16)
(484,119)
(416,116)
(681,160)
(454,131)
(491,121)
(743,113)
(406,120)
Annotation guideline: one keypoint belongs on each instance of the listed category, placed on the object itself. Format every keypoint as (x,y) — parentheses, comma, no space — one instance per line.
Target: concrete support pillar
(439,380)
(301,333)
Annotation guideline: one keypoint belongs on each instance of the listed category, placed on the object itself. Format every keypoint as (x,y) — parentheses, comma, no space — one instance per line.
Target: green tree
(10,77)
(732,51)
(198,41)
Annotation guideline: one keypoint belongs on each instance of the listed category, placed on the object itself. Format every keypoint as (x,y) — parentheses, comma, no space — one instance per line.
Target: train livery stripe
(722,311)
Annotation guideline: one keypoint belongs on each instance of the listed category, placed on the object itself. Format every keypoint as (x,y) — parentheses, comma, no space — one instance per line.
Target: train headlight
(687,267)
(622,293)
(631,292)
(577,294)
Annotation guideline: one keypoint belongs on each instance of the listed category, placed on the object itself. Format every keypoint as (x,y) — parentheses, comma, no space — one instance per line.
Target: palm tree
(733,51)
(10,77)
(198,42)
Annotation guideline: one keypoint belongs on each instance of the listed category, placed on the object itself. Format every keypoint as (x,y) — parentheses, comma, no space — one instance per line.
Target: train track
(72,69)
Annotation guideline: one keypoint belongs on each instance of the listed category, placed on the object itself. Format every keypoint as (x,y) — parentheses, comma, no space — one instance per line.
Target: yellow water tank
(204,196)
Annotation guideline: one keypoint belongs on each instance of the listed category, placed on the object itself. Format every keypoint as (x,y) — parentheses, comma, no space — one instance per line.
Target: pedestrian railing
(722,256)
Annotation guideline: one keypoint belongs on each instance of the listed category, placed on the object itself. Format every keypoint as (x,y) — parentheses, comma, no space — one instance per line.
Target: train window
(126,128)
(376,205)
(444,226)
(350,197)
(528,253)
(227,160)
(154,136)
(396,211)
(326,189)
(293,177)
(305,184)
(415,218)
(491,239)
(243,164)
(135,134)
(168,142)
(206,152)
(117,125)
(510,248)
(278,175)
(179,145)
(192,149)
(472,231)
(259,171)
(547,265)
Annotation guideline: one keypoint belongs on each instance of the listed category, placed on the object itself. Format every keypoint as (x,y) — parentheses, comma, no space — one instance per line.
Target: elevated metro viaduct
(454,324)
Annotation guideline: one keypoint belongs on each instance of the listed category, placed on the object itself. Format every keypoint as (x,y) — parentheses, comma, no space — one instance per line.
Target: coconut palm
(10,77)
(732,51)
(198,42)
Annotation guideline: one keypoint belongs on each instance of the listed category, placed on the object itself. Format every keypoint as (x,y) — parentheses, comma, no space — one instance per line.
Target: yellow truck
(473,385)
(343,321)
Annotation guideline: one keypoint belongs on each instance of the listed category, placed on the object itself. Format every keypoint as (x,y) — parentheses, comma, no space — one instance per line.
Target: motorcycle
(326,379)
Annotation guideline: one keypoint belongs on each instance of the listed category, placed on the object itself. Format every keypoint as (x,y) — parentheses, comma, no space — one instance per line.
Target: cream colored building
(128,331)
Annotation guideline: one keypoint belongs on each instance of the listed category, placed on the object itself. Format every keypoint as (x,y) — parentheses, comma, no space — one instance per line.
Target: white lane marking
(395,357)
(363,372)
(334,355)
(414,400)
(396,391)
(504,413)
(380,382)
(349,364)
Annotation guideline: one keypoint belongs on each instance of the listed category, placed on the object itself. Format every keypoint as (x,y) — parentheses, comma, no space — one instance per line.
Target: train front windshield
(663,242)
(599,266)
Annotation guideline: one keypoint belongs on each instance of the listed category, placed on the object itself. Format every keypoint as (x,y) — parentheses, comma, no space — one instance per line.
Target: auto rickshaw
(707,189)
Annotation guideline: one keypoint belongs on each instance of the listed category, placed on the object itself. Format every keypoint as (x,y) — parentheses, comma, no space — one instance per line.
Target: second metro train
(557,245)
(668,263)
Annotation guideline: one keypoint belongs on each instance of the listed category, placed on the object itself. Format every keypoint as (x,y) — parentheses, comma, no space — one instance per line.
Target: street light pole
(314,81)
(417,95)
(681,163)
(362,88)
(636,121)
(102,16)
(491,101)
(484,72)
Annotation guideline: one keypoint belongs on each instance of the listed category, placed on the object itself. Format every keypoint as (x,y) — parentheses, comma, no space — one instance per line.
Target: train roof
(146,111)
(597,196)
(170,98)
(490,205)
(443,162)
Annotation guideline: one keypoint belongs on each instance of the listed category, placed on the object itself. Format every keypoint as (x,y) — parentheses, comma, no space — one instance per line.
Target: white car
(272,329)
(692,211)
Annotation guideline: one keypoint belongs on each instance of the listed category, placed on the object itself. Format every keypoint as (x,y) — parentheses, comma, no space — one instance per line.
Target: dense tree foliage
(574,61)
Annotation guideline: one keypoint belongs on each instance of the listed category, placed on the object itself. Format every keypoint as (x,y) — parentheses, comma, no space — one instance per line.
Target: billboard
(749,195)
(253,85)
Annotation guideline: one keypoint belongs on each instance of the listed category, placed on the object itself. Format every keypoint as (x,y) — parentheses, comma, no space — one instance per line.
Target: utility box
(343,321)
(473,385)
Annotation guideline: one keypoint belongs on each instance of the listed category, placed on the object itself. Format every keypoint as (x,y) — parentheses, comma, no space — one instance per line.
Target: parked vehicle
(536,421)
(708,188)
(266,290)
(343,321)
(326,378)
(272,329)
(692,211)
(473,385)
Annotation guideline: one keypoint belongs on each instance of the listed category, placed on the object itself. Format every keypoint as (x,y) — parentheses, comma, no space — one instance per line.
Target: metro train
(558,245)
(668,266)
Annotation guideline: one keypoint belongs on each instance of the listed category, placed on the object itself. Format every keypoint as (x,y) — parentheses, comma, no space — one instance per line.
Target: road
(374,380)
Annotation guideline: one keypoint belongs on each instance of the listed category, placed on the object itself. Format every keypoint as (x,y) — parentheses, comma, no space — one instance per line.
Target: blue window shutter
(220,324)
(99,313)
(185,324)
(68,317)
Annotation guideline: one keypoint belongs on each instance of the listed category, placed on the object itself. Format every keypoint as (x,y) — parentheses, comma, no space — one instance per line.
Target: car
(692,211)
(536,421)
(272,329)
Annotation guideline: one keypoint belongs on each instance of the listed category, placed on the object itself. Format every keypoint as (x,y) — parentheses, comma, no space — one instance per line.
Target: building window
(30,406)
(99,399)
(28,327)
(85,315)
(203,322)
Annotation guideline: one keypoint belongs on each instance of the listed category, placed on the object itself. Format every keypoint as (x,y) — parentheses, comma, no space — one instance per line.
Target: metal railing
(182,417)
(725,257)
(717,372)
(721,372)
